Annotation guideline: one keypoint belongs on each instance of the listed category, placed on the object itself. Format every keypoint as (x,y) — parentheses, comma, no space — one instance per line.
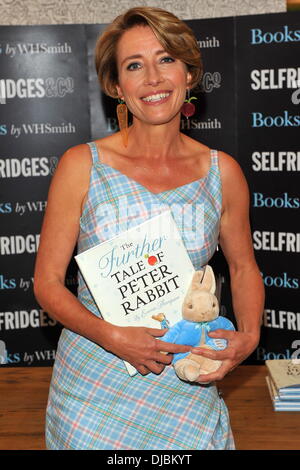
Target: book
(139,277)
(278,403)
(285,374)
(284,383)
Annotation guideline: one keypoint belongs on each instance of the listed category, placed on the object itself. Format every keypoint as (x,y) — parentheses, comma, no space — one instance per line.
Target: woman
(149,59)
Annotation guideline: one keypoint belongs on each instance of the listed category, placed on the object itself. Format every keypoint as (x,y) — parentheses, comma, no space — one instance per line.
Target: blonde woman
(147,58)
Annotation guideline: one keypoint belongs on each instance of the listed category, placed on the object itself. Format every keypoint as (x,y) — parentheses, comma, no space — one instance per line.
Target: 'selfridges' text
(19,244)
(276,161)
(276,241)
(26,167)
(21,319)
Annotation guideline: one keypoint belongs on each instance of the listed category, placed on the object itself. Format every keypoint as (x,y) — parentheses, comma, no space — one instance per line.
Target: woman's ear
(119,92)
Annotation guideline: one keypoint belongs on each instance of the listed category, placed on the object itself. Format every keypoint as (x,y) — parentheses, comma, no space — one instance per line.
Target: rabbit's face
(200,306)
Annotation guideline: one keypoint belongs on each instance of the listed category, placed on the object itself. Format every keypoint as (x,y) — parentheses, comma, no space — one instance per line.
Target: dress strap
(94,152)
(214,184)
(214,158)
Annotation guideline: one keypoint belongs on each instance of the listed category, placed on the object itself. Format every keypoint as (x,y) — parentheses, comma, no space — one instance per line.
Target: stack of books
(283,382)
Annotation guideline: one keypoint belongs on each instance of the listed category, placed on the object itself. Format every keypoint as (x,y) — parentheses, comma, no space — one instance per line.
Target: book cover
(285,373)
(140,274)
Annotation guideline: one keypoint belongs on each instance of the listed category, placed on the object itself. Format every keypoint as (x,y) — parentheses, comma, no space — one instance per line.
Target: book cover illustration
(140,277)
(285,374)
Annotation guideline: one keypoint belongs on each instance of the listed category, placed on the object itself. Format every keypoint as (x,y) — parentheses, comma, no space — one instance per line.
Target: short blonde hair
(176,37)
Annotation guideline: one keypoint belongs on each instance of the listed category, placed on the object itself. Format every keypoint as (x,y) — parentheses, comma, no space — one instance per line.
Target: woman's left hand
(239,346)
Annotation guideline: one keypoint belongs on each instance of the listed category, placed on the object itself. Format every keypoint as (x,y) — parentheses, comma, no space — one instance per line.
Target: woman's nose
(153,76)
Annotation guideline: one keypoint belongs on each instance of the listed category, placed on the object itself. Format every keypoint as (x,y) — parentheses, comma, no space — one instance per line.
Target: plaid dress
(93,402)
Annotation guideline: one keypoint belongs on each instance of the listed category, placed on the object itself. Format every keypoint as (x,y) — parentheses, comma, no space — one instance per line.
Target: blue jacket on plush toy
(190,333)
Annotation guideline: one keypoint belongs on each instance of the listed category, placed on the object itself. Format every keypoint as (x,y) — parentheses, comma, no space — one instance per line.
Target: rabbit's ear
(196,281)
(208,282)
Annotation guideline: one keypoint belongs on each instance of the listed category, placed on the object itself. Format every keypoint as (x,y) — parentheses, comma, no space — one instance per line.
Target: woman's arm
(57,242)
(246,282)
(59,235)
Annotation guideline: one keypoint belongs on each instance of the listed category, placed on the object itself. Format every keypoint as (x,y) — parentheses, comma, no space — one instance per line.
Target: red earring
(188,109)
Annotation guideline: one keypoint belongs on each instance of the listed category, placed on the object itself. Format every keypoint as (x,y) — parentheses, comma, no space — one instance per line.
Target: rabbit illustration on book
(200,312)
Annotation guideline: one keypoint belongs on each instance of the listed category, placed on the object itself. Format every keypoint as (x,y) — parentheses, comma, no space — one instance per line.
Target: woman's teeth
(157,97)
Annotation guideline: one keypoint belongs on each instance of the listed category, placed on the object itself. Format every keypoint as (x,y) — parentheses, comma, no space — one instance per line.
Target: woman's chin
(157,120)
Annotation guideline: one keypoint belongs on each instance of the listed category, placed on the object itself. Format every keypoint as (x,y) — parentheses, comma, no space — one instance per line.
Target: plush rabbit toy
(200,312)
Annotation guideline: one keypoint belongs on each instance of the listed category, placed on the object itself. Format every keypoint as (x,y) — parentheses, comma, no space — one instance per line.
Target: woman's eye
(167,59)
(133,66)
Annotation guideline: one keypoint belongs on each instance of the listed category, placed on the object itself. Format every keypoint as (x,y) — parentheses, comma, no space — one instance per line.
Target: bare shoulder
(234,184)
(72,175)
(77,157)
(231,171)
(229,166)
(74,166)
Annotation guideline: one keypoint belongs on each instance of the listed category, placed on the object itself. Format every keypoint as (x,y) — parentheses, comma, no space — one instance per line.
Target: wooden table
(255,425)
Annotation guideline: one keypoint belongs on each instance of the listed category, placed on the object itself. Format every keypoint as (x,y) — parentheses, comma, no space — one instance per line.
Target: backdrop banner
(268,121)
(44,110)
(247,105)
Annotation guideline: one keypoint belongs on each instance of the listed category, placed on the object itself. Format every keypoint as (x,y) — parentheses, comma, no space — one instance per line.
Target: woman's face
(152,83)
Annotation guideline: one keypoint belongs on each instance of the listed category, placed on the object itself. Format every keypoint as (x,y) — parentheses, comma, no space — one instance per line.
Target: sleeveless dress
(93,403)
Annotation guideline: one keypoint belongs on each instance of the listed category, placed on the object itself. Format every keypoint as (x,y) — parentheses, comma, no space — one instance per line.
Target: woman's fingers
(151,366)
(141,347)
(171,347)
(143,370)
(155,367)
(219,374)
(212,353)
(163,358)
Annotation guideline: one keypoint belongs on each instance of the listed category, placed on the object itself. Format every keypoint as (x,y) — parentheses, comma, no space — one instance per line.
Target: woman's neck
(156,141)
